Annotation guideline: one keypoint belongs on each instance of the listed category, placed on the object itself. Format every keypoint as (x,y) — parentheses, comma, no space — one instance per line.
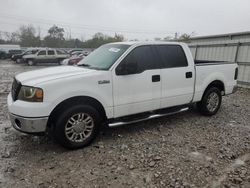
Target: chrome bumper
(29,125)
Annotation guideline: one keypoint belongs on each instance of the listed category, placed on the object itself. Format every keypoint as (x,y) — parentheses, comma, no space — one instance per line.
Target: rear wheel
(211,101)
(77,126)
(18,60)
(60,61)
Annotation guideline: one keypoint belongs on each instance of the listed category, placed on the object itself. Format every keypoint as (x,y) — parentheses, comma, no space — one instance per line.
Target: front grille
(16,86)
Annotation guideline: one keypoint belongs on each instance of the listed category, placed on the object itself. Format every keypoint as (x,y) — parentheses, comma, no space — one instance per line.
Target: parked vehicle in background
(2,54)
(10,53)
(86,53)
(73,60)
(76,53)
(45,56)
(75,50)
(9,47)
(18,58)
(117,84)
(7,50)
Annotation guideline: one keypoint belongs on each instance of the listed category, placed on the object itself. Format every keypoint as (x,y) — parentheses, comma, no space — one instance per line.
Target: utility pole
(175,35)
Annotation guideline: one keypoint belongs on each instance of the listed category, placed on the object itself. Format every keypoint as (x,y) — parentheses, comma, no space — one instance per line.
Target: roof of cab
(146,43)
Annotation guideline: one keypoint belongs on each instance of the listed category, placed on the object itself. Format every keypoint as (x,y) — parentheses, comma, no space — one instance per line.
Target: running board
(153,116)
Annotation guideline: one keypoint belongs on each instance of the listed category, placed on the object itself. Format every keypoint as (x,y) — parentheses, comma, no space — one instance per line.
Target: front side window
(33,51)
(171,56)
(27,52)
(30,52)
(104,57)
(143,57)
(43,52)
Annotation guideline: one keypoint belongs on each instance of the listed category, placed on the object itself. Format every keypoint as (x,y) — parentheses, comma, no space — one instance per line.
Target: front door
(41,56)
(138,89)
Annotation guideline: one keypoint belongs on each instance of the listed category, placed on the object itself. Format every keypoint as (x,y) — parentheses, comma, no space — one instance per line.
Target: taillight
(236,74)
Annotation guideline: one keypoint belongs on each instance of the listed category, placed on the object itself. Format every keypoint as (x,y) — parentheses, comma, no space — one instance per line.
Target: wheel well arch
(216,83)
(75,101)
(27,59)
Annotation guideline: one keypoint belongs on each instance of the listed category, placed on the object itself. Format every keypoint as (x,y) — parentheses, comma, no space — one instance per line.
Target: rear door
(177,76)
(140,91)
(51,56)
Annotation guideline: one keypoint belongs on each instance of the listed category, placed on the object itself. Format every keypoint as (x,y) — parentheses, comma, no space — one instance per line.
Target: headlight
(30,94)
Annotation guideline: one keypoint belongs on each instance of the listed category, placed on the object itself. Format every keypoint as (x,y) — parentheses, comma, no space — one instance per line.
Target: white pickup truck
(119,83)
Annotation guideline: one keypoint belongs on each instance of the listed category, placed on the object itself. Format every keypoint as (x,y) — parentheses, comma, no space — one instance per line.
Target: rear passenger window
(172,56)
(51,52)
(144,58)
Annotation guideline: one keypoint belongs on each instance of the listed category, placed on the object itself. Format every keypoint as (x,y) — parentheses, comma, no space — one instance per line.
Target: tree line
(28,36)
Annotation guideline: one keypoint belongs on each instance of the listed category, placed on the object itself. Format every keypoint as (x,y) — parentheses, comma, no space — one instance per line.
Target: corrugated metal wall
(231,47)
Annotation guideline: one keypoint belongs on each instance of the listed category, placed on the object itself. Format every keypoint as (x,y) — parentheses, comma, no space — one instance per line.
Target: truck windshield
(104,57)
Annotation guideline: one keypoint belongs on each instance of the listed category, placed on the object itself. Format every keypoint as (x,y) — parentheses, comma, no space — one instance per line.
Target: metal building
(233,47)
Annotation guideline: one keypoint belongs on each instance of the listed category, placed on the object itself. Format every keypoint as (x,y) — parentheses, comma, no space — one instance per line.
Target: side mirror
(127,68)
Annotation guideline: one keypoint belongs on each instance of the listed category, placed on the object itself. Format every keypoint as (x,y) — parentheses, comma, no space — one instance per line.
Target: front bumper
(29,125)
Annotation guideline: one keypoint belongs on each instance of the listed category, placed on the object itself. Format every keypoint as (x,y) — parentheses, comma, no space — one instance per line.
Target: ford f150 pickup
(118,83)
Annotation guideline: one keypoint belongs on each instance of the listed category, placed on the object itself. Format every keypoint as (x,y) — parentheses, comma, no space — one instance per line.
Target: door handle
(156,78)
(189,74)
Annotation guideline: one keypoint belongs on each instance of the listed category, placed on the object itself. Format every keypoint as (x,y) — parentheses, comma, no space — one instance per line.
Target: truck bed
(206,73)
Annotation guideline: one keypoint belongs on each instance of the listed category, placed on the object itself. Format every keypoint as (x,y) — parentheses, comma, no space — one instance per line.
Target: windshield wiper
(84,65)
(90,67)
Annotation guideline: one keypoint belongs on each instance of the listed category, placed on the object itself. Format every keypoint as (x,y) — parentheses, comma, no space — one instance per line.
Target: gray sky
(141,19)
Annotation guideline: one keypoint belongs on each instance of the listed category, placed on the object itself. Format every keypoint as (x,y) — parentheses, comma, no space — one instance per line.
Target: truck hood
(32,78)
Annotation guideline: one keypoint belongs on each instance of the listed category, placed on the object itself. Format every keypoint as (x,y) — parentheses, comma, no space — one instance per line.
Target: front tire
(77,126)
(30,62)
(211,102)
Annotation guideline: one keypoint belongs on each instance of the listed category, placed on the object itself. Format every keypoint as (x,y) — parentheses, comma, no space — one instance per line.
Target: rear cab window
(171,56)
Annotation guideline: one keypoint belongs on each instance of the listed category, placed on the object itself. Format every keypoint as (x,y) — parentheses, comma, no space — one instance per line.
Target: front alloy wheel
(30,62)
(79,127)
(76,126)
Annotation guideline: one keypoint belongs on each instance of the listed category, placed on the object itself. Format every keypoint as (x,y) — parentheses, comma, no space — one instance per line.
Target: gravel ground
(183,150)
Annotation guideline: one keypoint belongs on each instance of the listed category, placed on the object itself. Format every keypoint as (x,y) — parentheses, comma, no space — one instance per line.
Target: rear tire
(77,126)
(211,102)
(60,61)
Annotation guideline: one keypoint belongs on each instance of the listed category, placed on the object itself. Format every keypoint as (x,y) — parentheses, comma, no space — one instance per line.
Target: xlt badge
(103,81)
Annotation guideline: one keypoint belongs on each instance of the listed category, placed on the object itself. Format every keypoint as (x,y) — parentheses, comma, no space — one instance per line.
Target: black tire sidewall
(59,130)
(202,105)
